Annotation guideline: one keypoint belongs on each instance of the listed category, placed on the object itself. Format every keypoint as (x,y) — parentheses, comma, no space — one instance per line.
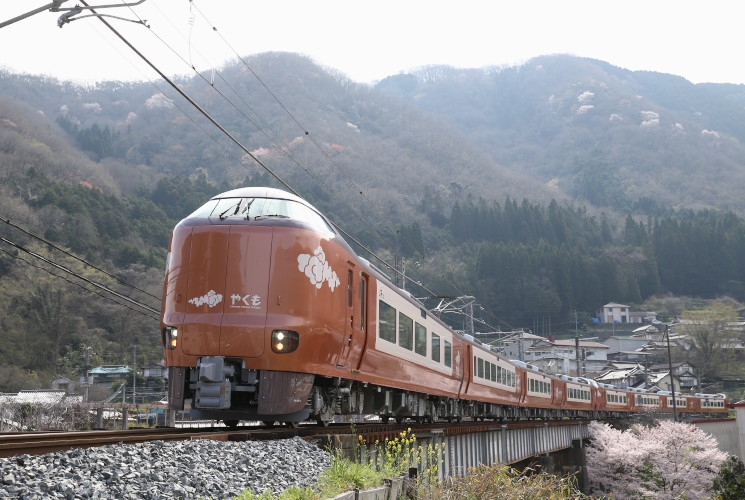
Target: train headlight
(284,341)
(170,337)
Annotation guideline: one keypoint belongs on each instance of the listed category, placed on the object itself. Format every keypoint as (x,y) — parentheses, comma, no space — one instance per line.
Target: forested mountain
(638,142)
(543,189)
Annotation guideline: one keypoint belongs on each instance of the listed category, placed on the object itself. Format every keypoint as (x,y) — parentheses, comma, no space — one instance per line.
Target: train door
(349,320)
(360,328)
(461,366)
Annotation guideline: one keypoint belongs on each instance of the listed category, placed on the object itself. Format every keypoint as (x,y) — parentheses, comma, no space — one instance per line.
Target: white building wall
(728,432)
(617,344)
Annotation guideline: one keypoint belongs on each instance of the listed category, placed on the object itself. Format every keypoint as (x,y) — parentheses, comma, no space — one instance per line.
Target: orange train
(269,315)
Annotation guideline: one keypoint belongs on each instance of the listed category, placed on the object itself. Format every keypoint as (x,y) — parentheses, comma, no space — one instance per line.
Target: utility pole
(469,319)
(576,343)
(672,378)
(399,271)
(87,351)
(134,374)
(520,352)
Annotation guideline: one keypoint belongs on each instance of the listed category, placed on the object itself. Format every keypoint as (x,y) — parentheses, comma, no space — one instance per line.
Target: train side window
(487,370)
(435,347)
(387,322)
(481,368)
(420,339)
(363,298)
(405,331)
(493,372)
(448,354)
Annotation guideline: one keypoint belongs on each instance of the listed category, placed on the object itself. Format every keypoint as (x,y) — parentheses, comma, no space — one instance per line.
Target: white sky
(702,41)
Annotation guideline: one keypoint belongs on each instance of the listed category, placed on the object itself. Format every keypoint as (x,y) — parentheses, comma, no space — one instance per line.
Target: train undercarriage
(225,389)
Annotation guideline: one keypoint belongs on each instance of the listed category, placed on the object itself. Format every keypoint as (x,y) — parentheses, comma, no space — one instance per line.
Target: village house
(106,375)
(655,377)
(621,313)
(560,356)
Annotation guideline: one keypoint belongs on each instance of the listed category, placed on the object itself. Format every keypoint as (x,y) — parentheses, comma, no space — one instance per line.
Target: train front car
(256,303)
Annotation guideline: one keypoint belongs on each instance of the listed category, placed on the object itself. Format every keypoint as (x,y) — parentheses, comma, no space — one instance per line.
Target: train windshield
(254,209)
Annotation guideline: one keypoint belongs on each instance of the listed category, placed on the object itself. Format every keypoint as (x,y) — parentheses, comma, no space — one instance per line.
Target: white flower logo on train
(317,269)
(211,299)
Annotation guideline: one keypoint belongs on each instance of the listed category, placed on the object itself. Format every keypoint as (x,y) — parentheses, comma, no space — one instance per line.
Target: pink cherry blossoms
(668,461)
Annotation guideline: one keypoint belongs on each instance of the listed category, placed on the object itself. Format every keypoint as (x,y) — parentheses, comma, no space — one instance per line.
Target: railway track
(39,443)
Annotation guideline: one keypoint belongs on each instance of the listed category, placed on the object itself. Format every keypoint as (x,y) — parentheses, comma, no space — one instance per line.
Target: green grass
(343,475)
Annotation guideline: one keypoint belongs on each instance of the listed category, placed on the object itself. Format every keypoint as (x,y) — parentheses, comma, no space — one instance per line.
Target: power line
(239,144)
(224,131)
(69,254)
(87,290)
(193,103)
(83,278)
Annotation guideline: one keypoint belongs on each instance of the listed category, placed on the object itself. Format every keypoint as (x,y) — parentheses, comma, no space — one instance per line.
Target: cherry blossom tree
(667,461)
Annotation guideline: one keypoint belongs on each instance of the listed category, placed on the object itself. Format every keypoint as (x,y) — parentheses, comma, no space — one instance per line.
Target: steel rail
(39,443)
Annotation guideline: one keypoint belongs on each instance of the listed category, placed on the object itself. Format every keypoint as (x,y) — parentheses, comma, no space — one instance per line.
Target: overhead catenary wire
(252,156)
(87,290)
(331,161)
(240,145)
(222,129)
(70,254)
(194,103)
(305,130)
(284,147)
(80,277)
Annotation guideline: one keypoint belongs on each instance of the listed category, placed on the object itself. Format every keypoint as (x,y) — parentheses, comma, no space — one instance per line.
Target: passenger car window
(387,322)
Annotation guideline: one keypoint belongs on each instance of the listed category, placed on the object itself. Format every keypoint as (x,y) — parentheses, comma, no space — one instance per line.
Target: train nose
(228,284)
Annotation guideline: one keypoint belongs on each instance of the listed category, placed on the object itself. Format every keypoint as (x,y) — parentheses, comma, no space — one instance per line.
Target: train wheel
(324,421)
(293,425)
(325,417)
(231,423)
(385,420)
(268,423)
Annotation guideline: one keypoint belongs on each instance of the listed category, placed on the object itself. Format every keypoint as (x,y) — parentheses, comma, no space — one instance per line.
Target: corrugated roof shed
(111,370)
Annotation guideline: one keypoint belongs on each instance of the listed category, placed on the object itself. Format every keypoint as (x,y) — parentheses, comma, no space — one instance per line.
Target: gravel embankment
(163,470)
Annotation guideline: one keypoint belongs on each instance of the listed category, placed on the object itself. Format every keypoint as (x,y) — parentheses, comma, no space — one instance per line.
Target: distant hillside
(635,142)
(542,190)
(327,136)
